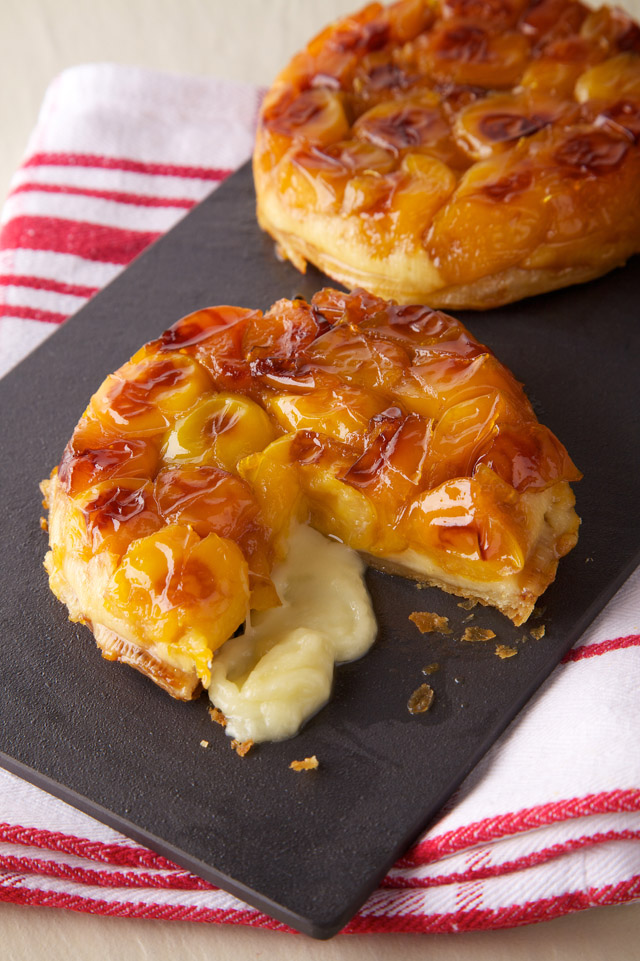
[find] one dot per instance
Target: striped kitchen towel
(547, 823)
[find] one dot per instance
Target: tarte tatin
(389, 428)
(461, 153)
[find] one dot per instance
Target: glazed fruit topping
(425, 94)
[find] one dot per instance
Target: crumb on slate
(468, 604)
(421, 699)
(307, 764)
(503, 651)
(427, 622)
(478, 634)
(216, 715)
(431, 668)
(241, 747)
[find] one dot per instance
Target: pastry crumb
(307, 764)
(421, 699)
(478, 634)
(44, 526)
(241, 747)
(428, 622)
(538, 632)
(204, 743)
(216, 715)
(468, 604)
(503, 651)
(469, 617)
(431, 668)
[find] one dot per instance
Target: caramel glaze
(398, 405)
(542, 90)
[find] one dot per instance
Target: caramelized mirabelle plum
(527, 457)
(498, 13)
(400, 125)
(316, 116)
(410, 18)
(552, 18)
(394, 463)
(461, 435)
(214, 338)
(376, 364)
(91, 457)
(319, 177)
(275, 345)
(426, 184)
(441, 379)
(145, 396)
(465, 53)
(206, 499)
(184, 591)
(337, 410)
(221, 430)
(592, 216)
(613, 28)
(615, 79)
(495, 123)
(117, 512)
(493, 222)
(463, 522)
(209, 499)
(548, 75)
(276, 485)
(337, 508)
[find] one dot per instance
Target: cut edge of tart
(387, 428)
(554, 520)
(463, 153)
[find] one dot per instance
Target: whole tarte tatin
(387, 427)
(459, 153)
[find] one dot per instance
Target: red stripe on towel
(63, 159)
(595, 650)
(514, 822)
(32, 313)
(90, 241)
(46, 283)
(117, 196)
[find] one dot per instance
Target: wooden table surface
(241, 40)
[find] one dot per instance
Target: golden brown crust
(183, 685)
(433, 153)
(402, 285)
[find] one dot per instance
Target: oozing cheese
(270, 679)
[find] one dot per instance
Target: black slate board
(306, 849)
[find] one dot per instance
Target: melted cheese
(270, 679)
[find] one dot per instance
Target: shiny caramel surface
(479, 135)
(388, 427)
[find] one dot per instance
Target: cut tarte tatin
(388, 428)
(461, 153)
